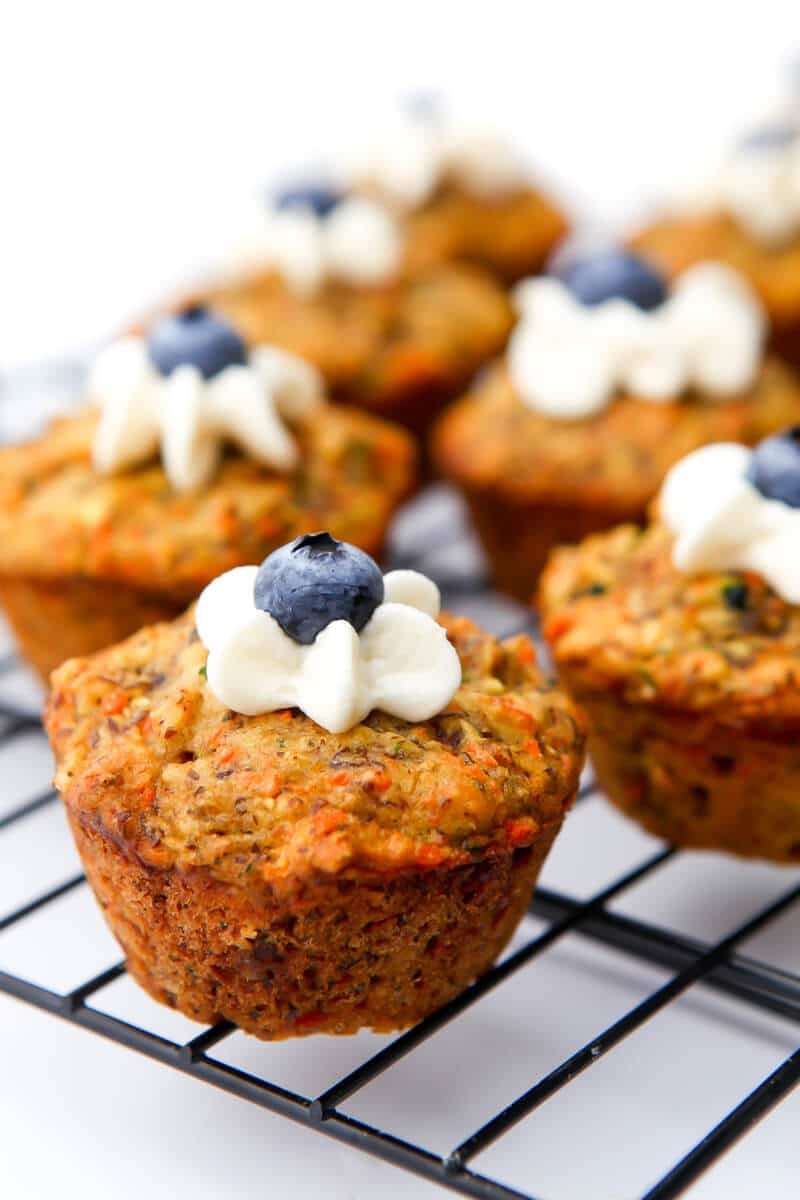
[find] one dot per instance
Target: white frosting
(567, 360)
(400, 662)
(759, 187)
(722, 522)
(358, 242)
(189, 418)
(408, 159)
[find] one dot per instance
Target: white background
(129, 133)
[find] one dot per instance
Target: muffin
(610, 377)
(747, 214)
(301, 875)
(325, 276)
(682, 645)
(461, 191)
(98, 538)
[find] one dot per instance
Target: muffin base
(693, 782)
(518, 537)
(53, 620)
(331, 956)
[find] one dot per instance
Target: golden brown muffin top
(509, 234)
(148, 755)
(58, 517)
(615, 459)
(677, 242)
(376, 343)
(619, 615)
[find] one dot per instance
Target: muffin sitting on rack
(461, 191)
(610, 377)
(310, 806)
(745, 213)
(97, 538)
(324, 274)
(682, 645)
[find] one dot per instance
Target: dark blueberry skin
(320, 198)
(423, 106)
(198, 338)
(774, 468)
(315, 580)
(776, 136)
(613, 275)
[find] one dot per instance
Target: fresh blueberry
(319, 197)
(775, 467)
(776, 136)
(315, 580)
(196, 337)
(423, 106)
(613, 275)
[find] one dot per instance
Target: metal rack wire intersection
(719, 966)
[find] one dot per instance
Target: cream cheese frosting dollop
(759, 187)
(722, 522)
(410, 157)
(358, 242)
(567, 360)
(188, 418)
(401, 662)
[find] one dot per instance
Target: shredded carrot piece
(327, 820)
(521, 830)
(115, 702)
(431, 855)
(558, 624)
(526, 652)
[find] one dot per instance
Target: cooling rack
(431, 535)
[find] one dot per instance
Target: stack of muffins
(309, 801)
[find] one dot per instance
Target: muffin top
(618, 614)
(376, 343)
(676, 242)
(59, 516)
(615, 458)
(511, 234)
(150, 757)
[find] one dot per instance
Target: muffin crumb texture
(126, 550)
(294, 881)
(692, 689)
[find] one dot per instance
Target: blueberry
(196, 337)
(775, 467)
(319, 197)
(315, 580)
(613, 275)
(776, 136)
(423, 106)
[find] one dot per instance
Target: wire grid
(425, 538)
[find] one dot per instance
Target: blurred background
(133, 133)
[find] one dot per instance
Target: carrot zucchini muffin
(325, 275)
(97, 537)
(461, 192)
(610, 377)
(682, 644)
(747, 214)
(308, 805)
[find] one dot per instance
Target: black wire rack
(425, 538)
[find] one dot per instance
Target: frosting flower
(724, 505)
(190, 388)
(354, 240)
(568, 358)
(758, 184)
(408, 159)
(340, 639)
